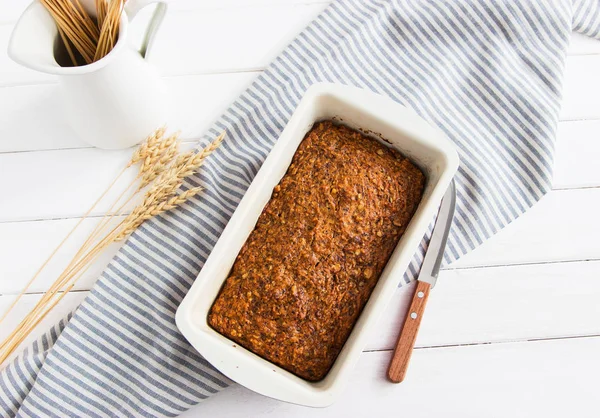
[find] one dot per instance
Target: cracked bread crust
(309, 266)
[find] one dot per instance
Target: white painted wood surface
(512, 329)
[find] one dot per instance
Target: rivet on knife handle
(408, 335)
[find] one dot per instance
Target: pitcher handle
(132, 7)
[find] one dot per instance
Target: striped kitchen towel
(487, 72)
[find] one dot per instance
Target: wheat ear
(156, 155)
(141, 154)
(161, 196)
(152, 158)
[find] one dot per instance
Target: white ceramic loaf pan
(403, 130)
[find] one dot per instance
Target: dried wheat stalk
(109, 29)
(101, 11)
(154, 154)
(162, 171)
(78, 31)
(142, 153)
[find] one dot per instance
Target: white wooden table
(512, 329)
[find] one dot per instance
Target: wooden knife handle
(408, 333)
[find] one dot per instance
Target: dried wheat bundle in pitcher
(86, 38)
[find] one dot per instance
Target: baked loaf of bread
(307, 269)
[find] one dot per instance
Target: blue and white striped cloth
(488, 72)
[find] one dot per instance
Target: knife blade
(425, 282)
(437, 243)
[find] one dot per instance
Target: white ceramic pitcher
(111, 103)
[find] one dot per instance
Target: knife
(425, 282)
